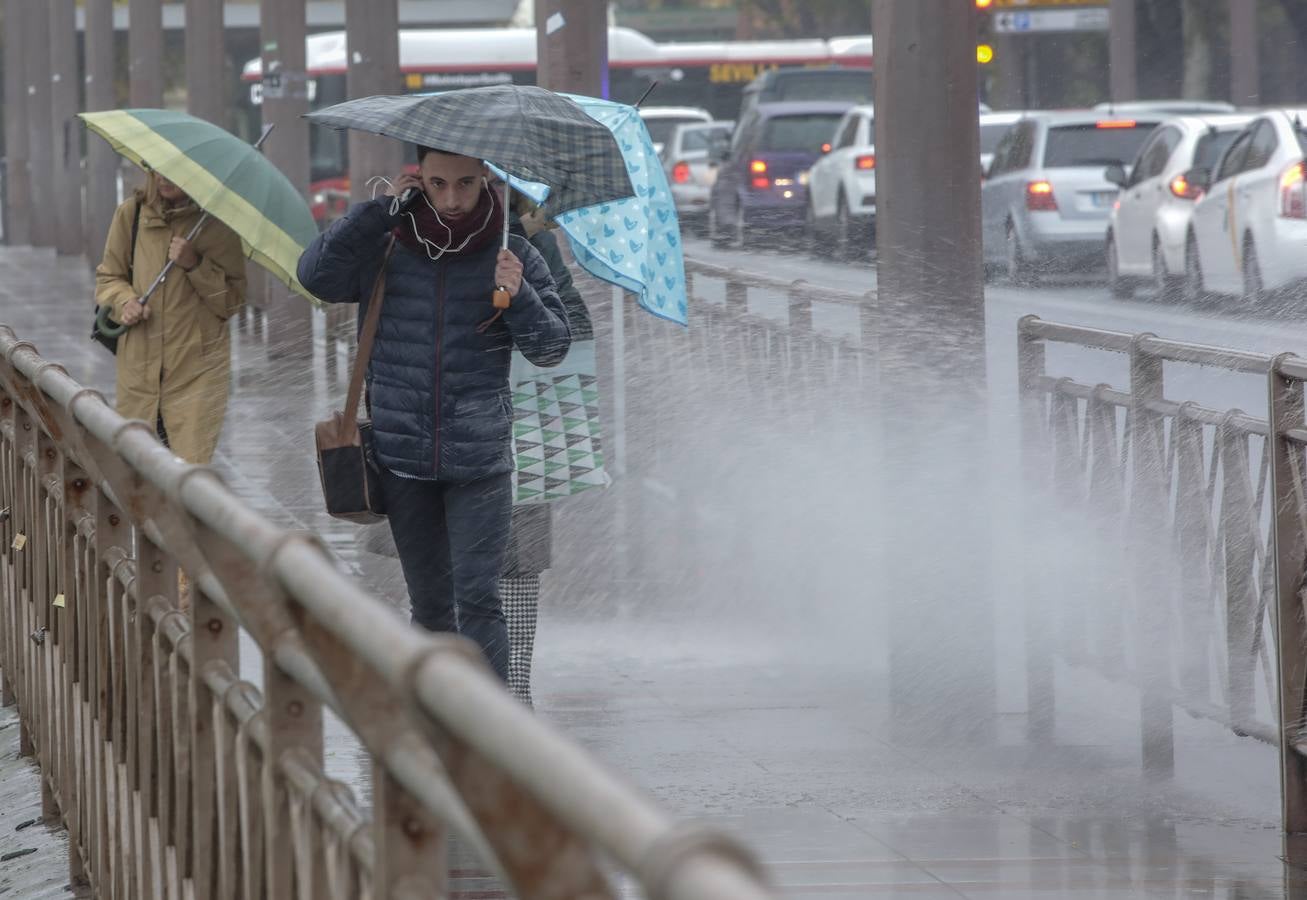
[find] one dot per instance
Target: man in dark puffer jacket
(438, 377)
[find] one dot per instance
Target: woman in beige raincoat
(175, 360)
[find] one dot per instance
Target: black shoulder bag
(111, 343)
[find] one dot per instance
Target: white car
(662, 121)
(1250, 226)
(690, 171)
(1150, 222)
(993, 126)
(1044, 203)
(842, 186)
(1169, 107)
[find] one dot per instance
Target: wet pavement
(749, 693)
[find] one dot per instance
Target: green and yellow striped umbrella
(225, 176)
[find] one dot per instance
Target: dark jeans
(451, 540)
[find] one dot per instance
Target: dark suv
(762, 177)
(794, 84)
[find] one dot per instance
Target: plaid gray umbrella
(529, 132)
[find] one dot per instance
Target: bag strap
(131, 257)
(366, 339)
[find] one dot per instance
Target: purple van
(762, 176)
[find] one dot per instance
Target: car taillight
(865, 163)
(1181, 187)
(681, 173)
(758, 166)
(1116, 123)
(1293, 191)
(1039, 197)
(761, 183)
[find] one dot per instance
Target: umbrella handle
(158, 280)
(107, 326)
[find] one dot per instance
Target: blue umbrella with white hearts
(633, 242)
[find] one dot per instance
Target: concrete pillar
(145, 53)
(572, 46)
(65, 127)
(372, 32)
(18, 183)
(934, 573)
(1121, 51)
(1245, 87)
(206, 78)
(285, 101)
(101, 160)
(36, 22)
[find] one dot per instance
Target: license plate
(1100, 199)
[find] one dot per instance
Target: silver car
(690, 172)
(1045, 202)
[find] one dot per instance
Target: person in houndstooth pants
(530, 545)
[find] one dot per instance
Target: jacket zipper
(440, 334)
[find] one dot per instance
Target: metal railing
(1204, 513)
(176, 778)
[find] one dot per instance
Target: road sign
(1027, 4)
(1043, 20)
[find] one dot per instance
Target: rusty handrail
(227, 779)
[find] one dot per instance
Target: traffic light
(984, 27)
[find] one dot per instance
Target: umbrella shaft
(508, 194)
(168, 268)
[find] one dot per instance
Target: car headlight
(319, 197)
(803, 177)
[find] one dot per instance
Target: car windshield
(661, 127)
(693, 139)
(990, 135)
(1069, 146)
(1211, 146)
(834, 85)
(799, 133)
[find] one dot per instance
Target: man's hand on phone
(183, 254)
(402, 183)
(134, 311)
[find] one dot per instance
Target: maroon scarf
(475, 225)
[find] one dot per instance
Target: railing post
(294, 719)
(1241, 584)
(214, 640)
(410, 842)
(24, 526)
(737, 296)
(1041, 684)
(156, 582)
(41, 547)
(1289, 540)
(77, 488)
(9, 464)
(799, 301)
(1106, 505)
(1148, 502)
(112, 532)
(1195, 545)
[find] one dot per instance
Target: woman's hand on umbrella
(134, 311)
(183, 254)
(508, 272)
